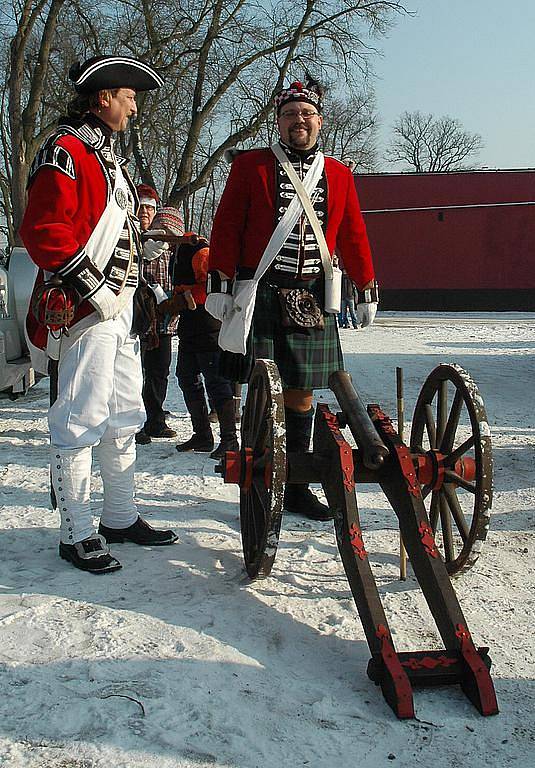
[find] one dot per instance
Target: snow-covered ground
(178, 660)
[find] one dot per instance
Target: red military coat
(69, 189)
(245, 217)
(64, 205)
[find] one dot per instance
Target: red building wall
(452, 240)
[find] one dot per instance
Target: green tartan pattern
(305, 359)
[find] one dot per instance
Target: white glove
(159, 293)
(218, 305)
(366, 313)
(153, 249)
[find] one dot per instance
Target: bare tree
(429, 144)
(223, 60)
(225, 53)
(349, 130)
(35, 85)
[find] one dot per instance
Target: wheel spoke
(430, 426)
(450, 460)
(434, 510)
(246, 522)
(262, 494)
(446, 444)
(259, 419)
(260, 437)
(457, 512)
(447, 534)
(426, 490)
(261, 515)
(453, 477)
(442, 409)
(250, 411)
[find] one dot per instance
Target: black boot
(202, 438)
(298, 498)
(227, 426)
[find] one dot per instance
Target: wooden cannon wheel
(263, 439)
(450, 421)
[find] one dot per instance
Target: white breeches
(117, 460)
(99, 384)
(99, 404)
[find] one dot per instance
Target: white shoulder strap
(289, 219)
(104, 238)
(283, 159)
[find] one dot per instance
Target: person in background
(255, 200)
(156, 350)
(79, 228)
(348, 303)
(148, 205)
(198, 357)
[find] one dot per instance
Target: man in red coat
(79, 228)
(255, 201)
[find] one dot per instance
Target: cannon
(440, 489)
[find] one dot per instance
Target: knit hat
(147, 195)
(169, 218)
(311, 93)
(101, 72)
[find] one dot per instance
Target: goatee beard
(299, 142)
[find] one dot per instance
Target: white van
(16, 284)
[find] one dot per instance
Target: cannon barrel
(374, 451)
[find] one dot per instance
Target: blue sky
(470, 59)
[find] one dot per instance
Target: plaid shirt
(157, 271)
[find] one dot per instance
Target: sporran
(299, 309)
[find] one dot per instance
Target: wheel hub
(430, 468)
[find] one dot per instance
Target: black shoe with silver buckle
(139, 532)
(91, 554)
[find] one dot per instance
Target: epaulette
(60, 158)
(55, 156)
(93, 137)
(232, 153)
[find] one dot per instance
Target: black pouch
(145, 316)
(299, 309)
(236, 367)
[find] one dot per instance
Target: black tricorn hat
(102, 72)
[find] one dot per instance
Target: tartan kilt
(305, 358)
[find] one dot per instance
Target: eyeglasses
(292, 114)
